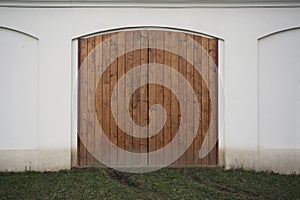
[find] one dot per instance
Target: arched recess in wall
(279, 89)
(86, 34)
(105, 58)
(19, 89)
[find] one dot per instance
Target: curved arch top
(147, 28)
(277, 32)
(19, 31)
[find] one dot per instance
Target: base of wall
(284, 161)
(35, 160)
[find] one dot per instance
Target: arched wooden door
(110, 58)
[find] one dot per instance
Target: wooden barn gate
(94, 97)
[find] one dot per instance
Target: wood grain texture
(152, 91)
(144, 119)
(197, 81)
(167, 43)
(159, 92)
(96, 87)
(121, 96)
(90, 137)
(175, 110)
(113, 78)
(190, 104)
(182, 68)
(98, 111)
(136, 97)
(105, 92)
(213, 108)
(129, 66)
(83, 50)
(205, 94)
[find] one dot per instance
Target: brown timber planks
(197, 81)
(83, 51)
(190, 103)
(105, 93)
(128, 77)
(136, 96)
(174, 101)
(205, 94)
(144, 119)
(182, 44)
(213, 108)
(152, 92)
(113, 77)
(99, 111)
(159, 89)
(121, 96)
(112, 51)
(90, 101)
(167, 43)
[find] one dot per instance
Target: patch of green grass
(167, 183)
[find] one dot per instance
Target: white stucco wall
(244, 70)
(19, 85)
(279, 90)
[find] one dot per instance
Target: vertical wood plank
(91, 101)
(182, 91)
(152, 93)
(99, 111)
(128, 78)
(197, 80)
(159, 57)
(167, 94)
(144, 90)
(136, 98)
(174, 101)
(121, 95)
(190, 103)
(205, 94)
(106, 97)
(83, 51)
(113, 77)
(213, 111)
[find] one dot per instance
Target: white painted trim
(74, 103)
(161, 28)
(275, 32)
(221, 103)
